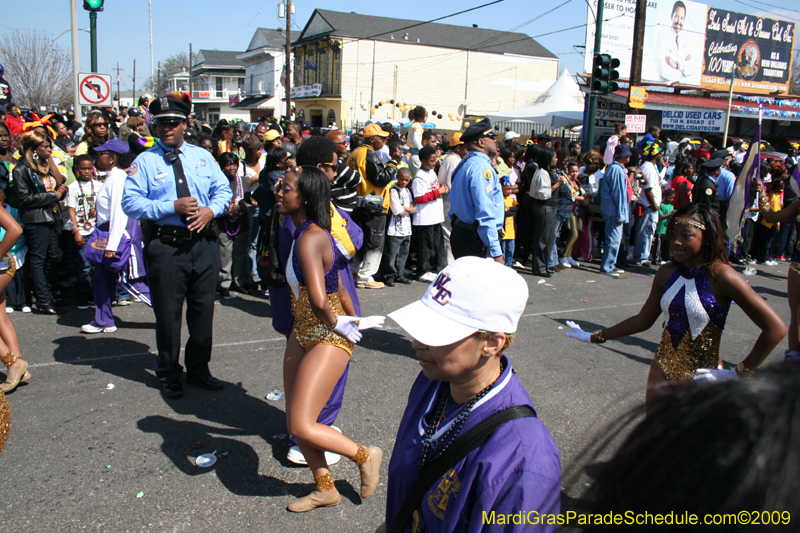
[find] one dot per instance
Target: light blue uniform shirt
(476, 196)
(725, 184)
(150, 188)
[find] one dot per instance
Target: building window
(301, 115)
(219, 87)
(240, 85)
(331, 117)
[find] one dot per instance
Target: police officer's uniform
(476, 199)
(705, 188)
(182, 265)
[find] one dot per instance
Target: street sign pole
(588, 142)
(93, 34)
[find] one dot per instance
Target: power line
(773, 5)
(767, 11)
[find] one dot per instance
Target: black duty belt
(178, 235)
(464, 225)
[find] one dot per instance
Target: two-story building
(346, 63)
(263, 92)
(218, 81)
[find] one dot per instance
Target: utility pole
(150, 13)
(638, 43)
(191, 62)
(134, 82)
(288, 61)
(76, 68)
(119, 94)
(592, 111)
(158, 80)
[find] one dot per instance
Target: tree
(39, 72)
(178, 62)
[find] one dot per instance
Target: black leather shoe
(172, 390)
(404, 280)
(389, 282)
(545, 274)
(48, 309)
(206, 382)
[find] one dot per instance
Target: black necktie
(181, 186)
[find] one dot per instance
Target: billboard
(757, 50)
(691, 44)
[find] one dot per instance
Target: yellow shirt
(775, 204)
(508, 229)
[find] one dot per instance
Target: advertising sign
(608, 113)
(693, 119)
(636, 123)
(692, 44)
(304, 91)
(637, 96)
(758, 51)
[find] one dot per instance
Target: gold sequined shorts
(12, 266)
(795, 267)
(5, 420)
(309, 331)
(682, 363)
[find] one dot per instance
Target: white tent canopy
(559, 106)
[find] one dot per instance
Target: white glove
(346, 328)
(713, 375)
(368, 322)
(578, 333)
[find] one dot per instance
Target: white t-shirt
(650, 173)
(399, 225)
(431, 212)
(446, 168)
(82, 195)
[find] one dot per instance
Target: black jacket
(705, 192)
(36, 205)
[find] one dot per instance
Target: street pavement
(94, 447)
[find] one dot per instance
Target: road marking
(281, 338)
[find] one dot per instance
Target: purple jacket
(517, 470)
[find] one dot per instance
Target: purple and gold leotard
(307, 328)
(694, 325)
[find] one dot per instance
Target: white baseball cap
(471, 294)
(511, 135)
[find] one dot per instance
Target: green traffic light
(93, 5)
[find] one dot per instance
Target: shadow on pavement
(387, 342)
(627, 341)
(234, 413)
(123, 358)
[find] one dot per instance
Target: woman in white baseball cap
(461, 328)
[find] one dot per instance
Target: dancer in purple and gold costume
(695, 291)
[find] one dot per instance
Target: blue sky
(123, 33)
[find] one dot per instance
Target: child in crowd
(234, 228)
(507, 235)
(81, 195)
(398, 235)
(660, 251)
(427, 221)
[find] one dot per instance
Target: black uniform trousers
(177, 272)
(544, 235)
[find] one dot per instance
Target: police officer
(476, 198)
(179, 189)
(705, 188)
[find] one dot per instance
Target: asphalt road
(94, 447)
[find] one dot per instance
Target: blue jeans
(613, 238)
(251, 273)
(560, 220)
(645, 228)
(507, 246)
(82, 269)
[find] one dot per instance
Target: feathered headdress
(184, 96)
(36, 122)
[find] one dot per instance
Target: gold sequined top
(693, 330)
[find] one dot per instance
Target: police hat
(721, 154)
(477, 131)
(543, 137)
(170, 108)
(713, 164)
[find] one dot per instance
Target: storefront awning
(251, 102)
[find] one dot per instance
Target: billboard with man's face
(691, 44)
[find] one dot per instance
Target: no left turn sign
(94, 89)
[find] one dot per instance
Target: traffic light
(605, 74)
(93, 5)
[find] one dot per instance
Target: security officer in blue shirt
(176, 190)
(476, 198)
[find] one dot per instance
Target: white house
(263, 92)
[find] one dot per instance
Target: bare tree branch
(39, 73)
(178, 62)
